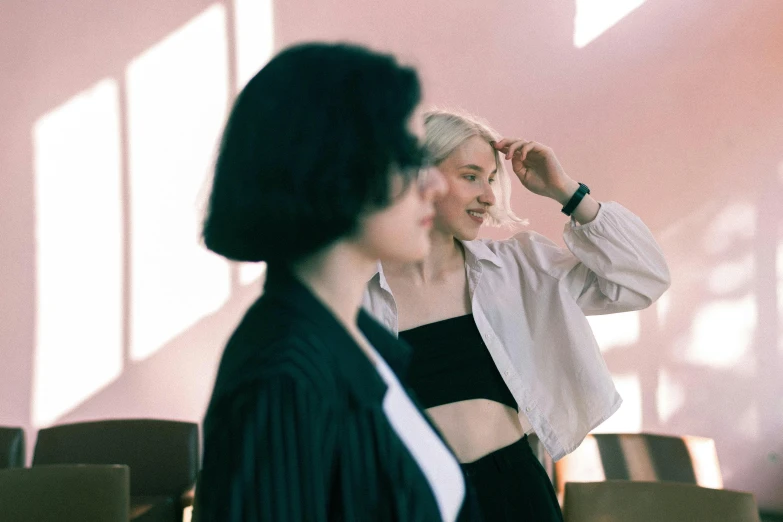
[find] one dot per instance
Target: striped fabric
(296, 431)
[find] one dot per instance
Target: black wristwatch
(580, 193)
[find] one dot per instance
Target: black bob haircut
(310, 145)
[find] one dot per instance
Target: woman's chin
(467, 234)
(422, 252)
(411, 254)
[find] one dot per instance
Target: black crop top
(451, 363)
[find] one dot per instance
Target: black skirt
(511, 484)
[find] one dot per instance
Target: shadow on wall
(708, 357)
(49, 55)
(676, 111)
(120, 120)
(176, 381)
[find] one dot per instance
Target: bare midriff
(477, 427)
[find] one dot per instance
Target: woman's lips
(427, 221)
(476, 218)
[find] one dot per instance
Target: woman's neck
(338, 276)
(446, 255)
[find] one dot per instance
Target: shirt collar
(362, 379)
(475, 252)
(381, 278)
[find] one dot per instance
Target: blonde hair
(444, 131)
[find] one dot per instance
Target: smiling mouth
(476, 215)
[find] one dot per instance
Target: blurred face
(400, 232)
(416, 123)
(470, 173)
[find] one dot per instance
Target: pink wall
(677, 112)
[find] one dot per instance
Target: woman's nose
(487, 197)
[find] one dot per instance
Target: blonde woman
(501, 344)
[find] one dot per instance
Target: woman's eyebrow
(471, 166)
(476, 168)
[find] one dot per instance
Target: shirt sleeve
(267, 457)
(612, 264)
(620, 268)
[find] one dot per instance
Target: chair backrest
(162, 455)
(641, 456)
(622, 500)
(72, 493)
(11, 448)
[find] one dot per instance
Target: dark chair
(641, 457)
(163, 457)
(540, 452)
(65, 493)
(12, 448)
(626, 501)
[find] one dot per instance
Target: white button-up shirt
(529, 299)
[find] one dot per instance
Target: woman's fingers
(504, 144)
(519, 147)
(514, 148)
(526, 148)
(534, 146)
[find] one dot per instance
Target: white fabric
(529, 299)
(433, 457)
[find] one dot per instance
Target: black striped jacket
(295, 429)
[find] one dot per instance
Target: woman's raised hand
(538, 168)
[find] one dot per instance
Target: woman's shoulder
(290, 357)
(527, 251)
(526, 244)
(525, 240)
(284, 388)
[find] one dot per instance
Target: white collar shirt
(529, 300)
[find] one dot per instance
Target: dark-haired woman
(319, 175)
